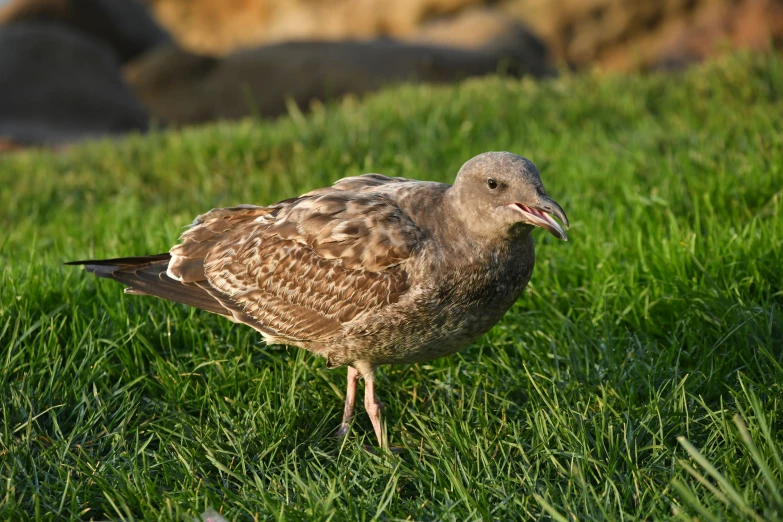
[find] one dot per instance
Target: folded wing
(300, 269)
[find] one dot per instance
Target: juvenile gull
(373, 270)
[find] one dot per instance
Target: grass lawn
(639, 377)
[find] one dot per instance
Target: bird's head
(498, 192)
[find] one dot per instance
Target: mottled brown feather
(300, 269)
(187, 258)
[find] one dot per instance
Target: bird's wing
(299, 270)
(209, 229)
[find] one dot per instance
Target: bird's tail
(146, 275)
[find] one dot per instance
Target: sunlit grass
(638, 378)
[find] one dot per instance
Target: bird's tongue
(540, 219)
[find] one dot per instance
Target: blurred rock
(124, 25)
(221, 26)
(179, 87)
(750, 25)
(485, 29)
(57, 85)
(645, 34)
(612, 34)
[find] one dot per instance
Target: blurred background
(639, 347)
(76, 69)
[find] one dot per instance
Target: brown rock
(751, 25)
(643, 34)
(180, 87)
(613, 34)
(124, 25)
(481, 28)
(221, 26)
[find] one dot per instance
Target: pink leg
(374, 408)
(350, 401)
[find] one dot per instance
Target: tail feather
(146, 275)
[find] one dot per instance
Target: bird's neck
(465, 242)
(466, 226)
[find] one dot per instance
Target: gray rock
(123, 25)
(181, 87)
(57, 85)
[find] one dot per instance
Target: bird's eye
(492, 183)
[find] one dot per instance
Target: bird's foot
(343, 430)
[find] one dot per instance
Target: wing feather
(296, 271)
(318, 262)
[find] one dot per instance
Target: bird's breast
(455, 302)
(480, 292)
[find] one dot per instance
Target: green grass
(640, 377)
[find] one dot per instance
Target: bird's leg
(350, 401)
(374, 408)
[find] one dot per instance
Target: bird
(372, 270)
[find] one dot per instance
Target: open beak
(541, 216)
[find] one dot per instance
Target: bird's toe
(343, 430)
